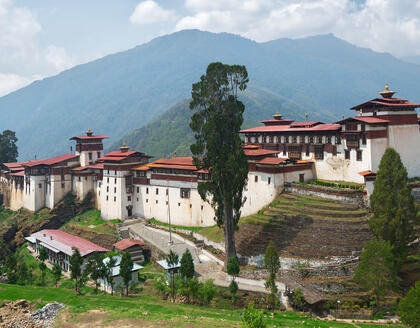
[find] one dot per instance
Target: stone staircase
(305, 226)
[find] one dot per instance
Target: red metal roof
(18, 174)
(127, 243)
(260, 152)
(272, 160)
(112, 158)
(176, 161)
(89, 137)
(121, 153)
(286, 128)
(387, 102)
(366, 119)
(50, 161)
(64, 241)
(92, 166)
(172, 166)
(298, 124)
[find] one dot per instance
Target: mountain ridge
(124, 91)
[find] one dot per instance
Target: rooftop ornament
(387, 93)
(277, 115)
(89, 132)
(124, 148)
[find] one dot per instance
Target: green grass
(213, 233)
(93, 218)
(149, 310)
(164, 224)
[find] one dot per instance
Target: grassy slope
(148, 310)
(92, 218)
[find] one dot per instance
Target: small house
(134, 247)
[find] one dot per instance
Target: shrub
(206, 292)
(409, 309)
(253, 318)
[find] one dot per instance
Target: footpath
(206, 264)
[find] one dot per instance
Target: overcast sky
(40, 38)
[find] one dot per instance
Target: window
(147, 190)
(338, 140)
(347, 154)
(311, 139)
(302, 139)
(138, 189)
(179, 204)
(80, 179)
(364, 139)
(62, 185)
(185, 193)
(115, 199)
(284, 149)
(90, 156)
(166, 202)
(129, 198)
(294, 139)
(319, 140)
(147, 200)
(99, 154)
(334, 151)
(156, 201)
(137, 199)
(359, 155)
(107, 180)
(157, 191)
(85, 178)
(351, 126)
(286, 139)
(256, 178)
(115, 172)
(115, 180)
(115, 190)
(329, 140)
(319, 153)
(107, 198)
(362, 127)
(269, 180)
(202, 207)
(107, 189)
(167, 191)
(190, 205)
(307, 150)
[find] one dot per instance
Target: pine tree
(393, 205)
(409, 308)
(76, 262)
(57, 272)
(95, 267)
(216, 122)
(376, 271)
(187, 265)
(112, 262)
(43, 256)
(233, 269)
(172, 260)
(8, 148)
(126, 266)
(272, 264)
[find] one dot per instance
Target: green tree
(57, 273)
(76, 262)
(393, 205)
(96, 268)
(409, 308)
(216, 122)
(272, 264)
(126, 266)
(109, 276)
(187, 265)
(298, 299)
(172, 260)
(43, 256)
(8, 148)
(233, 269)
(22, 273)
(376, 271)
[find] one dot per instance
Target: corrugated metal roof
(50, 161)
(64, 242)
(272, 160)
(127, 243)
(89, 137)
(287, 128)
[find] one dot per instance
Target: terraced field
(305, 226)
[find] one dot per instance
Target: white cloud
(58, 58)
(11, 82)
(383, 25)
(149, 12)
(22, 57)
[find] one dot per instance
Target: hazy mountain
(412, 59)
(171, 132)
(127, 90)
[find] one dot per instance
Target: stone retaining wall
(347, 196)
(415, 191)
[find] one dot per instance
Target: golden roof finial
(124, 147)
(277, 115)
(89, 132)
(387, 93)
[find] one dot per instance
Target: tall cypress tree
(393, 205)
(216, 122)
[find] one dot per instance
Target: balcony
(295, 155)
(352, 143)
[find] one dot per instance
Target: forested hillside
(125, 91)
